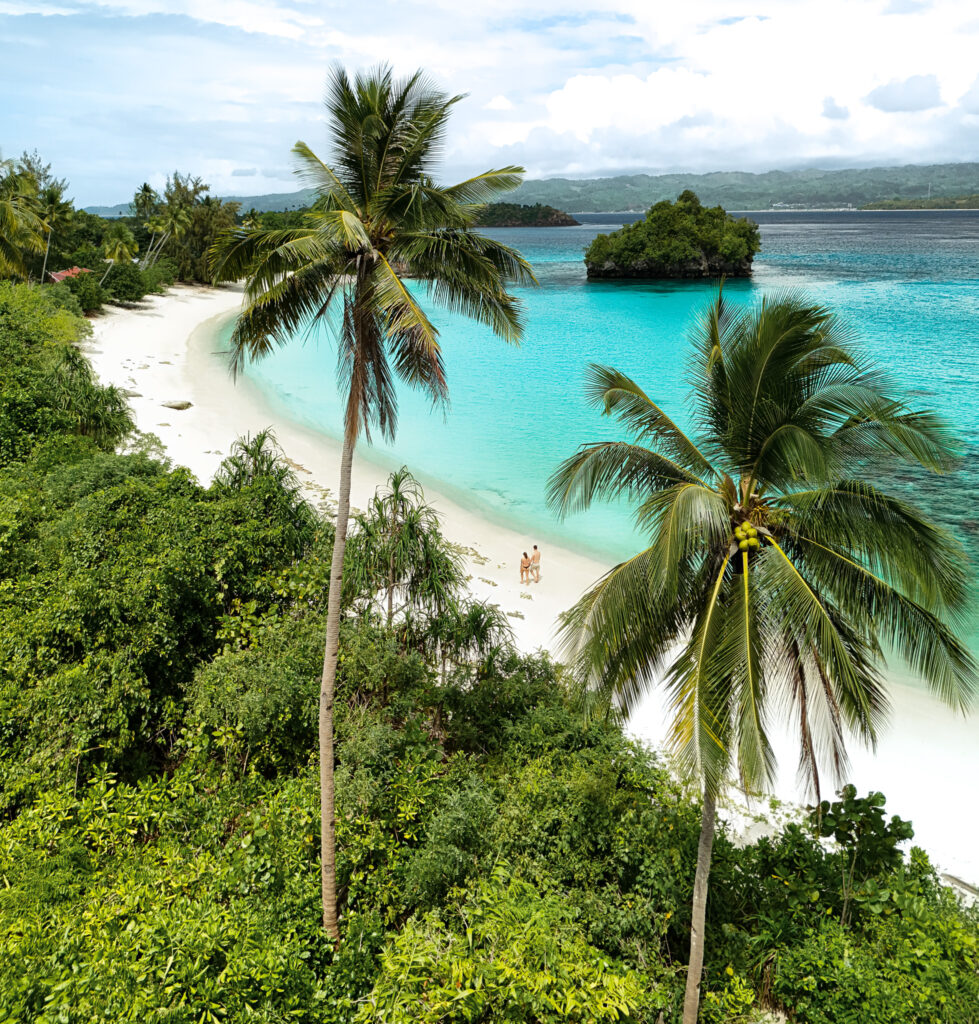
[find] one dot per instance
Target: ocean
(907, 283)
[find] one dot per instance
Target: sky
(117, 92)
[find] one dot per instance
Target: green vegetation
(379, 217)
(676, 240)
(513, 215)
(777, 572)
(937, 203)
(42, 232)
(498, 856)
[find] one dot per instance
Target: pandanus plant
(781, 575)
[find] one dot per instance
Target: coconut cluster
(746, 536)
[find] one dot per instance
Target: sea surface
(907, 283)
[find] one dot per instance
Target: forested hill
(931, 203)
(516, 215)
(734, 190)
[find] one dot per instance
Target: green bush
(87, 290)
(158, 277)
(507, 953)
(125, 283)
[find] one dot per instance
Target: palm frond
(621, 397)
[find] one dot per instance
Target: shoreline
(163, 351)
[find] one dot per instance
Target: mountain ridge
(735, 190)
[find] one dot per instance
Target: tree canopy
(676, 240)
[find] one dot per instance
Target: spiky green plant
(779, 577)
(379, 217)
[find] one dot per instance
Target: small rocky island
(516, 215)
(676, 240)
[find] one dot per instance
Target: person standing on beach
(525, 568)
(535, 564)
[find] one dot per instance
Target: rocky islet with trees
(676, 240)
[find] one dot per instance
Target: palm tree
(173, 222)
(118, 246)
(779, 573)
(20, 226)
(145, 201)
(379, 217)
(55, 212)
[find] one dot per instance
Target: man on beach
(535, 564)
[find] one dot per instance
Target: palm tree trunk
(146, 255)
(691, 998)
(47, 249)
(106, 274)
(328, 863)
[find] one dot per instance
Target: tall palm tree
(118, 246)
(21, 228)
(145, 201)
(379, 217)
(779, 573)
(55, 212)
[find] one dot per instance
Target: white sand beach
(164, 352)
(927, 762)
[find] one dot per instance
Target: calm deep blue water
(907, 282)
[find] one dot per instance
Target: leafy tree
(778, 573)
(379, 218)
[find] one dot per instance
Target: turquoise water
(908, 284)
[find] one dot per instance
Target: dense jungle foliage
(159, 239)
(678, 239)
(500, 857)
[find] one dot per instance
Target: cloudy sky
(115, 92)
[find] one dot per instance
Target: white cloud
(919, 92)
(970, 101)
(131, 88)
(833, 110)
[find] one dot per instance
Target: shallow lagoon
(908, 284)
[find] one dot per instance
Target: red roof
(59, 275)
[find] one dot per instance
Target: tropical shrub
(125, 283)
(87, 290)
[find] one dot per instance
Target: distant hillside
(935, 203)
(734, 190)
(276, 202)
(737, 190)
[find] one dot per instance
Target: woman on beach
(525, 568)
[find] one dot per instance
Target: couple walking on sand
(530, 567)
